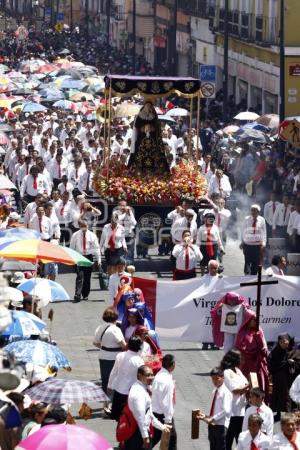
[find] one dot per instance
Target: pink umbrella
(64, 437)
(230, 129)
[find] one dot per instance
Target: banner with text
(182, 308)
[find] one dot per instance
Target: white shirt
(63, 212)
(281, 216)
(46, 226)
(114, 284)
(128, 221)
(265, 413)
(257, 235)
(92, 244)
(179, 226)
(220, 186)
(274, 270)
(74, 174)
(222, 218)
(68, 187)
(119, 237)
(124, 372)
(222, 408)
(234, 379)
(179, 252)
(261, 441)
(174, 215)
(54, 169)
(29, 212)
(280, 442)
(27, 186)
(293, 222)
(111, 339)
(139, 402)
(85, 183)
(214, 233)
(163, 394)
(295, 390)
(269, 210)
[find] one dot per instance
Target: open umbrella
(36, 250)
(269, 120)
(64, 51)
(5, 127)
(230, 129)
(65, 105)
(16, 266)
(38, 353)
(77, 97)
(247, 115)
(46, 290)
(73, 84)
(177, 112)
(12, 294)
(165, 118)
(5, 182)
(251, 135)
(17, 234)
(4, 140)
(33, 107)
(58, 391)
(256, 126)
(24, 324)
(64, 437)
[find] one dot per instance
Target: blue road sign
(47, 11)
(207, 72)
(60, 17)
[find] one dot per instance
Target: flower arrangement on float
(184, 181)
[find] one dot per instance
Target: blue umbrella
(73, 84)
(45, 289)
(16, 234)
(24, 324)
(33, 107)
(38, 353)
(256, 126)
(52, 92)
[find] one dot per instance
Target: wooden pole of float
(198, 125)
(108, 131)
(190, 132)
(105, 125)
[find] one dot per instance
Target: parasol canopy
(247, 115)
(24, 324)
(46, 290)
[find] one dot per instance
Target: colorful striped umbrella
(34, 250)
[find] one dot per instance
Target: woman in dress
(253, 347)
(284, 366)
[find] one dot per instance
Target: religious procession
(142, 241)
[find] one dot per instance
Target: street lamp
(282, 62)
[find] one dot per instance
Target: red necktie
(284, 215)
(186, 258)
(112, 239)
(40, 225)
(209, 242)
(258, 410)
(212, 408)
(62, 210)
(254, 225)
(253, 446)
(34, 183)
(84, 241)
(274, 207)
(292, 441)
(59, 171)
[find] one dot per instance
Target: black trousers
(118, 403)
(65, 234)
(83, 280)
(135, 442)
(106, 366)
(234, 430)
(217, 437)
(252, 254)
(157, 434)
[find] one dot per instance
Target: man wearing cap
(85, 242)
(254, 237)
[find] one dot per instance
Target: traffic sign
(60, 17)
(48, 13)
(207, 72)
(59, 27)
(208, 90)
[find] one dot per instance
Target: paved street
(73, 328)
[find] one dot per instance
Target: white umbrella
(5, 183)
(246, 115)
(177, 112)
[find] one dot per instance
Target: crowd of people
(52, 156)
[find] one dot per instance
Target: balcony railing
(198, 8)
(249, 27)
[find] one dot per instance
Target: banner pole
(109, 124)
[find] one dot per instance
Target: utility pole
(225, 65)
(282, 62)
(87, 17)
(133, 36)
(107, 23)
(172, 44)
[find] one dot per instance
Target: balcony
(248, 27)
(197, 8)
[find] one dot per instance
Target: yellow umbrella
(77, 97)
